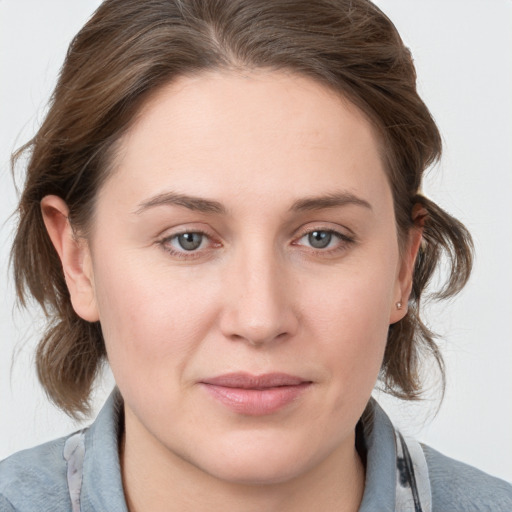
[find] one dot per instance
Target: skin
(256, 296)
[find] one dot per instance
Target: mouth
(256, 395)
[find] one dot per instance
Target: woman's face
(244, 266)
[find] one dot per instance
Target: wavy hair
(129, 49)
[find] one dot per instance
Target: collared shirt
(82, 472)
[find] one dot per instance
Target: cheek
(348, 320)
(152, 321)
(354, 299)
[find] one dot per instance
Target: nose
(258, 304)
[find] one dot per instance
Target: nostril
(261, 314)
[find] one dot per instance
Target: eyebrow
(197, 204)
(329, 201)
(202, 205)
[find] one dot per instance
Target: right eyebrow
(194, 203)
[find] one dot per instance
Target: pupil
(190, 241)
(320, 239)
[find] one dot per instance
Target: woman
(227, 197)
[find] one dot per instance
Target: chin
(253, 461)
(256, 472)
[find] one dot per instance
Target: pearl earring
(399, 305)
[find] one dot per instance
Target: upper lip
(242, 380)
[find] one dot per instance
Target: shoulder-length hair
(131, 48)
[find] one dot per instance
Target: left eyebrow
(329, 201)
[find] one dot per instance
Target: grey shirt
(45, 478)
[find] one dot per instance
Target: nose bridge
(259, 308)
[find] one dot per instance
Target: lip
(256, 395)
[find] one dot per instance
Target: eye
(324, 241)
(189, 241)
(319, 239)
(188, 244)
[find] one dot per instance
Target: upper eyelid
(342, 239)
(165, 243)
(184, 232)
(168, 238)
(343, 232)
(176, 231)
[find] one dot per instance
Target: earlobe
(74, 255)
(406, 274)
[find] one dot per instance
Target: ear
(74, 254)
(406, 271)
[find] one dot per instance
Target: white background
(463, 54)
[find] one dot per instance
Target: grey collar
(397, 477)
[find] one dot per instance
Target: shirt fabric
(81, 473)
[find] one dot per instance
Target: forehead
(225, 132)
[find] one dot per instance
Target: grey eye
(190, 241)
(319, 239)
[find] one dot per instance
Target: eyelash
(344, 242)
(184, 254)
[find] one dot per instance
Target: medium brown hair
(129, 49)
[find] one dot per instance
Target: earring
(399, 305)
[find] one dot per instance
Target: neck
(158, 480)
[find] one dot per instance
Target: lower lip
(256, 402)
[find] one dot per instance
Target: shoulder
(84, 464)
(458, 486)
(35, 478)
